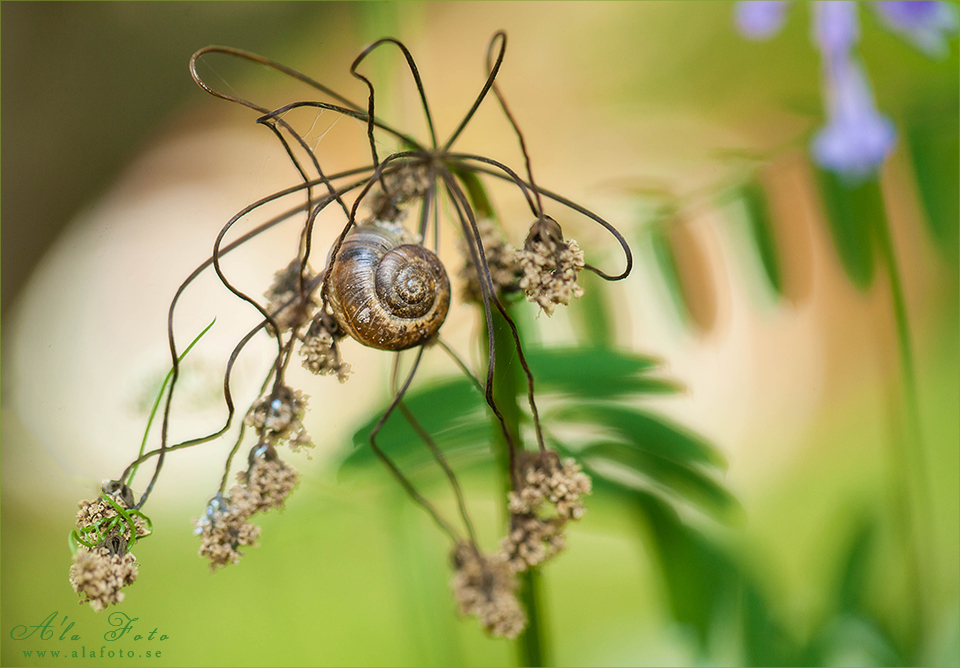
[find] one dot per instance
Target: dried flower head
(284, 300)
(550, 265)
(94, 512)
(531, 541)
(320, 348)
(266, 485)
(99, 574)
(411, 181)
(223, 530)
(546, 479)
(501, 261)
(485, 587)
(536, 532)
(280, 418)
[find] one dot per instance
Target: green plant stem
(508, 384)
(909, 456)
(533, 643)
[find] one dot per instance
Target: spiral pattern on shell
(387, 294)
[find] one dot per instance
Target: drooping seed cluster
(403, 186)
(551, 495)
(223, 530)
(98, 575)
(280, 417)
(320, 348)
(226, 527)
(531, 541)
(94, 512)
(550, 272)
(501, 261)
(265, 486)
(284, 302)
(486, 587)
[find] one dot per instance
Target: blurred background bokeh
(761, 298)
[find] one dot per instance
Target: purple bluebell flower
(836, 28)
(760, 19)
(857, 137)
(924, 23)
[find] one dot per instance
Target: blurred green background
(657, 115)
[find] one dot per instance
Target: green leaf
(852, 210)
(761, 232)
(645, 432)
(934, 147)
(689, 482)
(666, 261)
(699, 577)
(591, 314)
(709, 589)
(596, 372)
(852, 588)
(452, 412)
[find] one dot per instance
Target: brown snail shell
(387, 294)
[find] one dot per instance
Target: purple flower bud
(761, 19)
(924, 23)
(835, 28)
(857, 138)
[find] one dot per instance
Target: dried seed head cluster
(93, 512)
(265, 486)
(223, 530)
(531, 540)
(310, 310)
(320, 348)
(102, 564)
(486, 587)
(279, 418)
(501, 261)
(284, 302)
(403, 185)
(98, 575)
(550, 265)
(225, 526)
(547, 479)
(536, 533)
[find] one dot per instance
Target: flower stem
(532, 644)
(909, 456)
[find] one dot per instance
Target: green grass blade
(156, 404)
(851, 212)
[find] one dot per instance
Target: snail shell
(387, 294)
